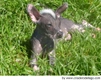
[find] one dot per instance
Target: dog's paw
(68, 37)
(36, 68)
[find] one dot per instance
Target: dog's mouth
(57, 35)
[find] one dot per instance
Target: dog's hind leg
(88, 25)
(81, 27)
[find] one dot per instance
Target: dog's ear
(61, 9)
(33, 13)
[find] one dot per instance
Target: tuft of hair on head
(48, 11)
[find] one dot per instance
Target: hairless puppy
(50, 27)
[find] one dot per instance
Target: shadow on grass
(27, 44)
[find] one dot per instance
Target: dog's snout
(59, 34)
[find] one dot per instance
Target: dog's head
(48, 20)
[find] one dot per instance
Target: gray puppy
(50, 27)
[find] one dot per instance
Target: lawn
(80, 56)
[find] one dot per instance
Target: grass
(80, 56)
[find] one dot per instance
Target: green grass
(80, 56)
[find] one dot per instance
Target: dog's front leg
(33, 62)
(36, 51)
(52, 57)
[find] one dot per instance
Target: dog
(50, 27)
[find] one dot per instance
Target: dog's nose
(59, 34)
